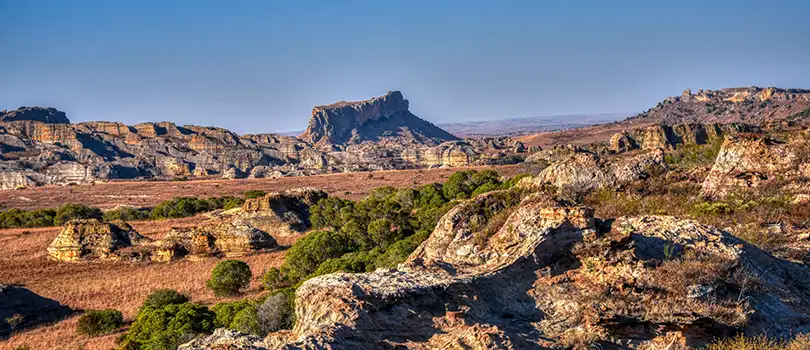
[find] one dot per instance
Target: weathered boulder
(21, 308)
(93, 239)
(585, 171)
(750, 162)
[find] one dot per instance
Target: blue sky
(260, 66)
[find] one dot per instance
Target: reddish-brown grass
(99, 285)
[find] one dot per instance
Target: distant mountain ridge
(528, 125)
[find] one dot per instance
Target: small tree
(229, 277)
(99, 322)
(275, 313)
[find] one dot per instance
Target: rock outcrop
(93, 239)
(674, 136)
(380, 117)
(551, 277)
(21, 309)
(242, 231)
(584, 171)
(748, 162)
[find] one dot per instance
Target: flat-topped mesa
(37, 114)
(384, 116)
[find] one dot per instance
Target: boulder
(93, 239)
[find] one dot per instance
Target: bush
(247, 321)
(162, 297)
(98, 322)
(69, 212)
(229, 277)
(254, 194)
(168, 327)
(226, 312)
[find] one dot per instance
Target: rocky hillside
(750, 105)
(39, 146)
(385, 117)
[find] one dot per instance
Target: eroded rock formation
(93, 239)
(39, 146)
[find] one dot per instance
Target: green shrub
(225, 312)
(229, 277)
(168, 327)
(310, 251)
(98, 322)
(382, 232)
(162, 297)
(399, 251)
(247, 321)
(254, 194)
(69, 212)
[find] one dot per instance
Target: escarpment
(40, 147)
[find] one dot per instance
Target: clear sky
(260, 66)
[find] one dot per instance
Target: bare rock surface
(751, 162)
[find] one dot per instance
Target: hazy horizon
(257, 66)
